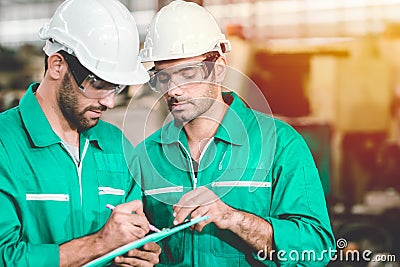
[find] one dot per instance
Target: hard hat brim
(136, 77)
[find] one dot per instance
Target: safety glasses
(94, 87)
(183, 74)
(90, 85)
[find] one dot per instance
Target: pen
(152, 227)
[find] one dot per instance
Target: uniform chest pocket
(248, 190)
(111, 190)
(111, 187)
(245, 189)
(48, 201)
(111, 177)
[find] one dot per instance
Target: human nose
(108, 101)
(174, 90)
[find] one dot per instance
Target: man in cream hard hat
(251, 174)
(60, 165)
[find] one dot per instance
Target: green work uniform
(46, 196)
(254, 163)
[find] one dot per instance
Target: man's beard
(197, 107)
(69, 105)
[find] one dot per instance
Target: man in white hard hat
(254, 176)
(60, 165)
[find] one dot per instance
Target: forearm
(254, 230)
(121, 228)
(82, 250)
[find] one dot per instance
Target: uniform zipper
(105, 190)
(78, 165)
(53, 197)
(205, 149)
(222, 161)
(194, 178)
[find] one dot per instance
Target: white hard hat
(102, 34)
(182, 30)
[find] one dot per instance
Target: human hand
(127, 223)
(148, 255)
(200, 202)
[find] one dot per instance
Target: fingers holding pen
(126, 223)
(135, 206)
(131, 214)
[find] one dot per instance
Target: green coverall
(46, 197)
(254, 163)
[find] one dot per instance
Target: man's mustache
(174, 100)
(93, 108)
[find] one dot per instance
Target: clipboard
(154, 237)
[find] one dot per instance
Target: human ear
(56, 66)
(220, 69)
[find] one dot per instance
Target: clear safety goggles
(183, 74)
(94, 87)
(89, 84)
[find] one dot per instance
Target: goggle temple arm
(79, 72)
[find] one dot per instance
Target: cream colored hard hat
(182, 30)
(102, 34)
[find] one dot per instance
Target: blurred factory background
(330, 68)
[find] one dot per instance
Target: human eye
(97, 83)
(189, 73)
(163, 77)
(100, 85)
